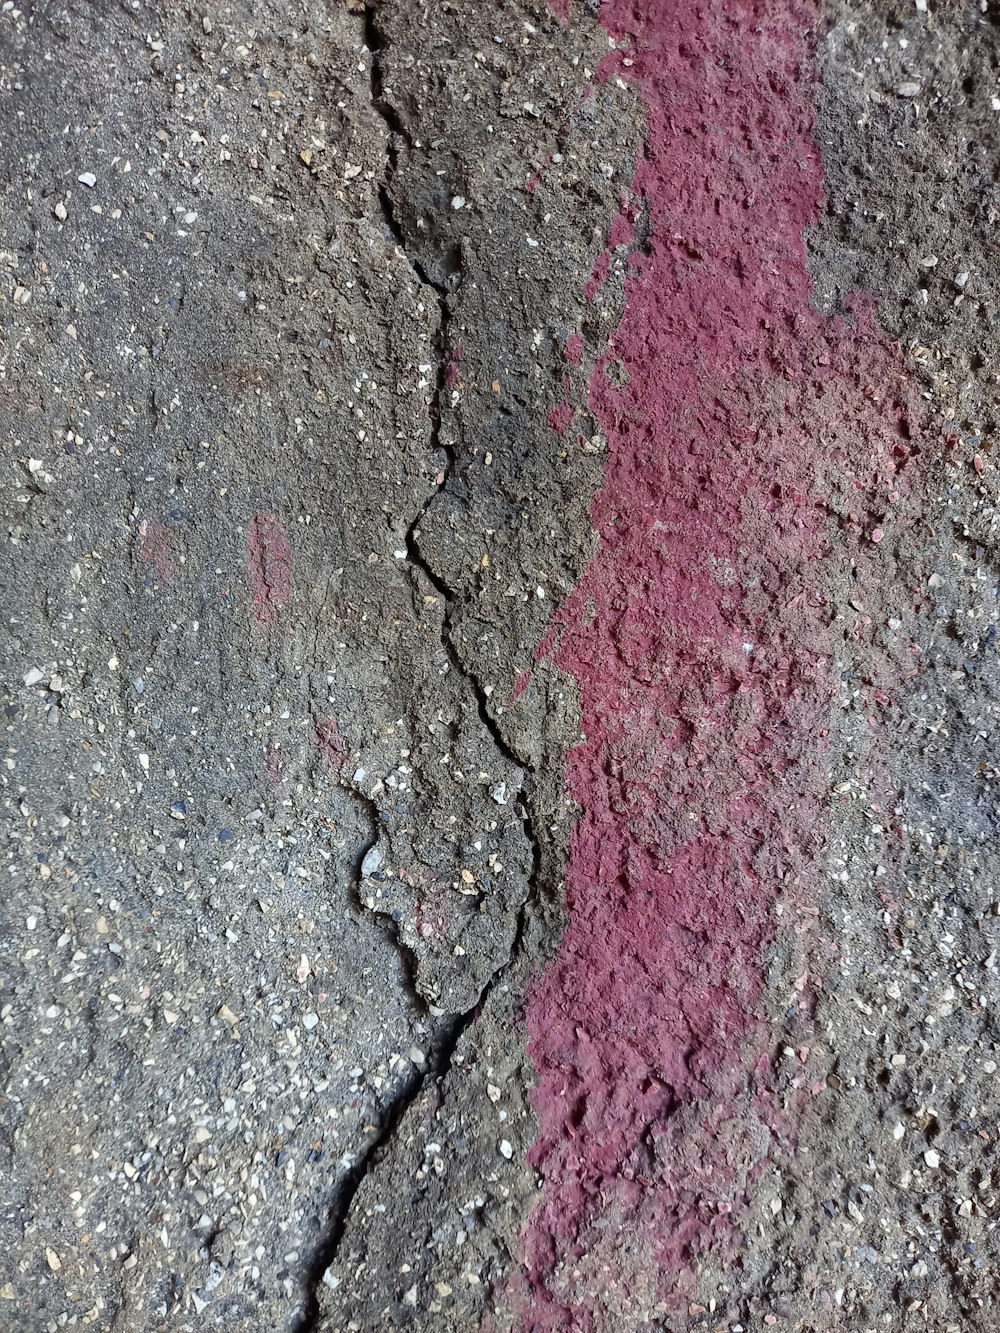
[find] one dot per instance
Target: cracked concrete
(307, 341)
(268, 827)
(504, 551)
(239, 722)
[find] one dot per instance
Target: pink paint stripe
(270, 560)
(701, 641)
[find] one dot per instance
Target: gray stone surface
(286, 300)
(268, 835)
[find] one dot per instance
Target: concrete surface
(500, 666)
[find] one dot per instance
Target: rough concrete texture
(500, 666)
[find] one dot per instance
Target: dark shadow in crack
(450, 1030)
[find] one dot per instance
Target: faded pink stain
(331, 743)
(574, 349)
(454, 365)
(155, 549)
(560, 417)
(542, 652)
(270, 561)
(520, 685)
(752, 455)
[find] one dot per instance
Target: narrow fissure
(449, 1032)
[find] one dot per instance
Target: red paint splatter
(154, 549)
(452, 368)
(560, 417)
(543, 651)
(269, 566)
(520, 685)
(331, 744)
(547, 644)
(621, 231)
(701, 639)
(599, 276)
(563, 413)
(574, 349)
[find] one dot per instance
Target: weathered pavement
(500, 666)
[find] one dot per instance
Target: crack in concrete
(386, 923)
(392, 1114)
(448, 1033)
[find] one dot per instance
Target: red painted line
(701, 640)
(270, 560)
